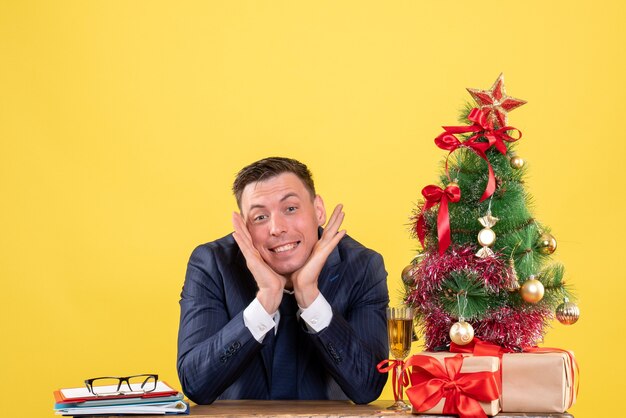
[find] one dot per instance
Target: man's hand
(270, 283)
(305, 279)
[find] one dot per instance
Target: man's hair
(271, 167)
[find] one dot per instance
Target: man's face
(282, 219)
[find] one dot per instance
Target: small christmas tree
(484, 268)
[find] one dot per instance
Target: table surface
(328, 409)
(331, 409)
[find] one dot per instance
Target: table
(329, 409)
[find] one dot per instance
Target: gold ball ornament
(532, 290)
(516, 162)
(408, 272)
(486, 237)
(567, 312)
(546, 244)
(461, 333)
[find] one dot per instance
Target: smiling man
(282, 308)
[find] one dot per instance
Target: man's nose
(278, 225)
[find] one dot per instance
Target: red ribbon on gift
(481, 127)
(479, 347)
(394, 366)
(433, 195)
(430, 382)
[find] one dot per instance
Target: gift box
(541, 381)
(449, 383)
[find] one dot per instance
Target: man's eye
(292, 209)
(260, 218)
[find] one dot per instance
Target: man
(282, 309)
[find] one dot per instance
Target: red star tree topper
(495, 102)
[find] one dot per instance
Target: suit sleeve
(213, 349)
(353, 345)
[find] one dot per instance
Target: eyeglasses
(139, 383)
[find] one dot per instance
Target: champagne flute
(400, 332)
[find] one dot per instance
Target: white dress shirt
(316, 317)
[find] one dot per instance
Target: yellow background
(122, 124)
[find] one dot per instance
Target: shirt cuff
(318, 315)
(257, 320)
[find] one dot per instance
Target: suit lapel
(330, 277)
(242, 289)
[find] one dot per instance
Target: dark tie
(284, 366)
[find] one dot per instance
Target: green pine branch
(465, 286)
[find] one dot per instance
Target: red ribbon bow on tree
(433, 195)
(481, 127)
(395, 366)
(430, 382)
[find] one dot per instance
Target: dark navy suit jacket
(218, 358)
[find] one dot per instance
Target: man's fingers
(240, 226)
(338, 236)
(332, 235)
(242, 236)
(244, 246)
(329, 244)
(335, 221)
(334, 226)
(337, 212)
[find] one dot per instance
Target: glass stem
(399, 375)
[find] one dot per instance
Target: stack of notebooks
(164, 400)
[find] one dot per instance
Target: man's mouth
(285, 247)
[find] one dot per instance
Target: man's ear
(320, 210)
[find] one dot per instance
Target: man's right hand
(270, 283)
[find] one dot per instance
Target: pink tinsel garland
(505, 326)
